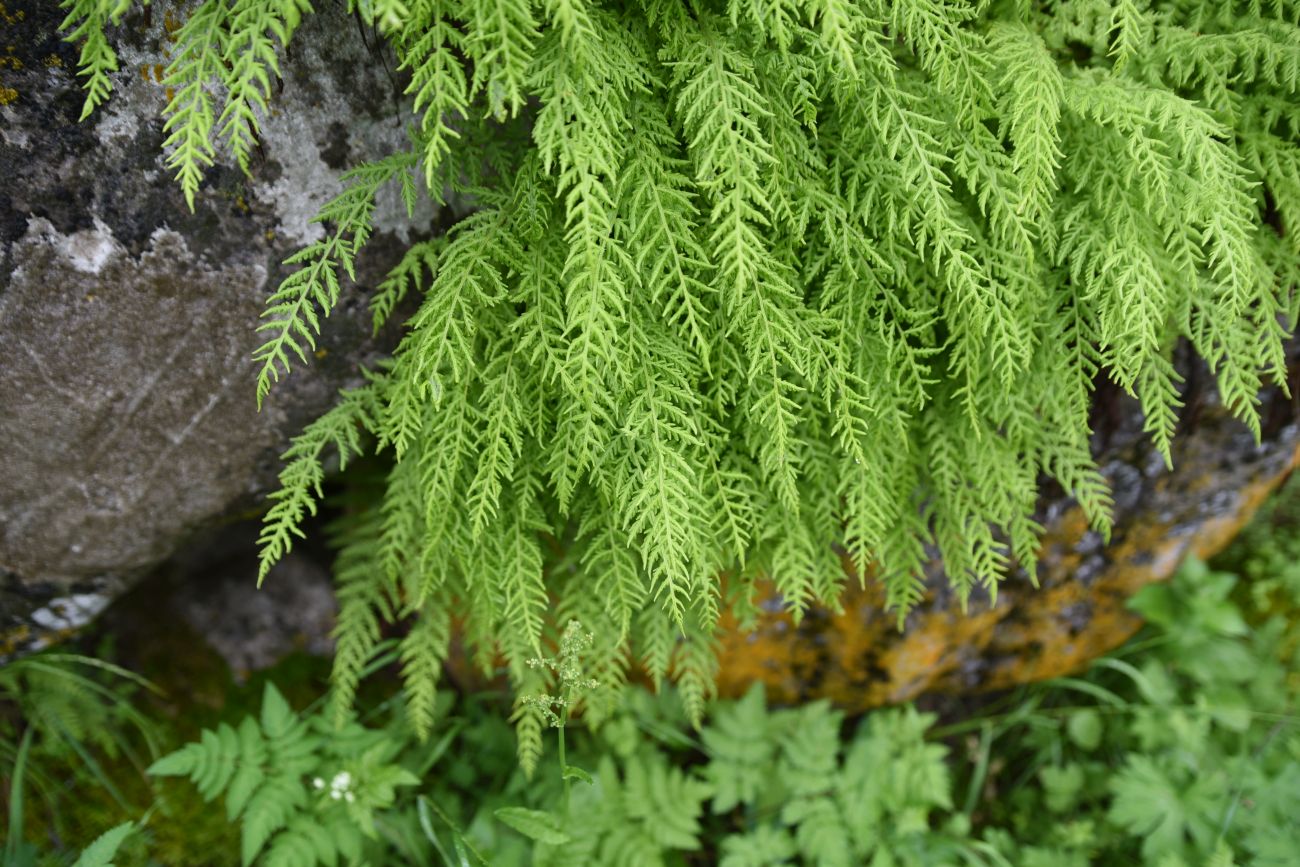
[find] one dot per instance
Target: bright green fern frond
(518, 575)
(949, 52)
(695, 666)
(662, 222)
(1131, 22)
(439, 86)
(502, 36)
(422, 653)
(192, 75)
(439, 348)
(529, 720)
(501, 420)
(611, 570)
(293, 312)
(300, 481)
(251, 57)
(1030, 100)
(85, 22)
(418, 264)
(365, 605)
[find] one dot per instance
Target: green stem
(564, 776)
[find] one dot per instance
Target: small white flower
(336, 794)
(318, 783)
(350, 797)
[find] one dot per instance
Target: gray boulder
(127, 414)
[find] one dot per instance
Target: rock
(215, 592)
(858, 658)
(127, 414)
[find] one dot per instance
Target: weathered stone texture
(127, 417)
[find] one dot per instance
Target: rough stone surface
(253, 628)
(127, 418)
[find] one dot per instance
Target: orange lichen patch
(13, 640)
(1215, 534)
(766, 653)
(171, 24)
(1147, 553)
(936, 649)
(858, 659)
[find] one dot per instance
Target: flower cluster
(340, 787)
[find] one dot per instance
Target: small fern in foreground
(1182, 748)
(262, 768)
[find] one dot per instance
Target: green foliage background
(1182, 748)
(749, 278)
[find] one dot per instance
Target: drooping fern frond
(365, 605)
(747, 286)
(295, 309)
(251, 58)
(85, 22)
(423, 650)
(439, 86)
(300, 481)
(190, 115)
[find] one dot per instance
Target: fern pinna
(745, 281)
(260, 768)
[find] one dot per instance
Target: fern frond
(259, 766)
(664, 802)
(529, 721)
(439, 347)
(300, 480)
(1031, 104)
(662, 223)
(439, 86)
(610, 568)
(661, 497)
(293, 311)
(391, 16)
(85, 21)
(695, 666)
(518, 576)
(1131, 22)
(251, 58)
(365, 604)
(422, 653)
(419, 262)
(191, 74)
(950, 53)
(502, 36)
